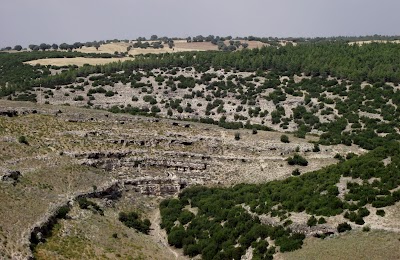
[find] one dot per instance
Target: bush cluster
(132, 219)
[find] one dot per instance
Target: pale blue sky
(54, 21)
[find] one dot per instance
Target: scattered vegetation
(327, 80)
(297, 160)
(223, 228)
(132, 219)
(342, 101)
(84, 203)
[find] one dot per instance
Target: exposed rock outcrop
(11, 176)
(156, 186)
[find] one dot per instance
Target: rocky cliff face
(132, 147)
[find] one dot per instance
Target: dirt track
(160, 236)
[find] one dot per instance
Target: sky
(27, 22)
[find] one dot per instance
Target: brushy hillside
(228, 221)
(51, 156)
(69, 175)
(345, 94)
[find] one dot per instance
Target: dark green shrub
(62, 212)
(87, 204)
(237, 136)
(132, 220)
(78, 98)
(185, 217)
(316, 148)
(380, 212)
(176, 236)
(366, 229)
(343, 227)
(297, 160)
(109, 93)
(290, 243)
(350, 155)
(339, 157)
(284, 139)
(26, 97)
(150, 99)
(296, 172)
(312, 221)
(22, 139)
(155, 109)
(192, 250)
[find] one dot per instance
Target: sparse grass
(67, 247)
(97, 237)
(48, 178)
(352, 245)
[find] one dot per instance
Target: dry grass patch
(352, 245)
(199, 46)
(37, 192)
(139, 51)
(80, 61)
(110, 48)
(48, 179)
(87, 235)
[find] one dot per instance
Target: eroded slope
(69, 152)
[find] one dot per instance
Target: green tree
(17, 47)
(63, 46)
(32, 46)
(176, 236)
(44, 46)
(284, 139)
